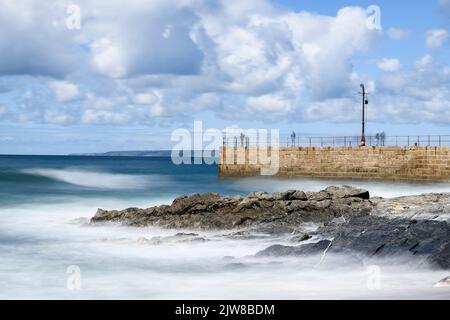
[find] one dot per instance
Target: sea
(49, 250)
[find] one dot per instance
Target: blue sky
(130, 75)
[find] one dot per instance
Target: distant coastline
(151, 153)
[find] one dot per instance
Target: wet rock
(300, 238)
(306, 249)
(380, 237)
(298, 195)
(280, 210)
(177, 238)
(347, 192)
(415, 225)
(425, 206)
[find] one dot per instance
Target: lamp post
(364, 102)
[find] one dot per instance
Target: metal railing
(340, 141)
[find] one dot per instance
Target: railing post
(310, 143)
(439, 141)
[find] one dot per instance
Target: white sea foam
(377, 188)
(39, 242)
(93, 179)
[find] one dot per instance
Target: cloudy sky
(135, 70)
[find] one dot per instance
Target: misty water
(46, 203)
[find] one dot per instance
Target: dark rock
(280, 210)
(415, 225)
(381, 237)
(306, 249)
(298, 195)
(347, 192)
(301, 238)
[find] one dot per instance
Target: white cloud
(436, 38)
(172, 59)
(333, 110)
(145, 98)
(247, 53)
(104, 117)
(397, 33)
(414, 95)
(64, 91)
(424, 62)
(389, 65)
(107, 58)
(145, 37)
(57, 117)
(269, 104)
(34, 39)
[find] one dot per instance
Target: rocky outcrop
(346, 220)
(210, 211)
(425, 206)
(376, 236)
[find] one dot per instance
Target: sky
(106, 75)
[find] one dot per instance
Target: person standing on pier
(242, 136)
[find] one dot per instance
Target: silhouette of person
(383, 138)
(293, 136)
(242, 136)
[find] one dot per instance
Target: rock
(348, 192)
(298, 195)
(177, 238)
(306, 249)
(380, 237)
(260, 196)
(425, 206)
(301, 237)
(274, 229)
(417, 225)
(319, 196)
(259, 209)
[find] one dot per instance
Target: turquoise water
(46, 203)
(30, 179)
(37, 178)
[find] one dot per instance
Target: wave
(92, 179)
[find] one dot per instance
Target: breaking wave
(92, 179)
